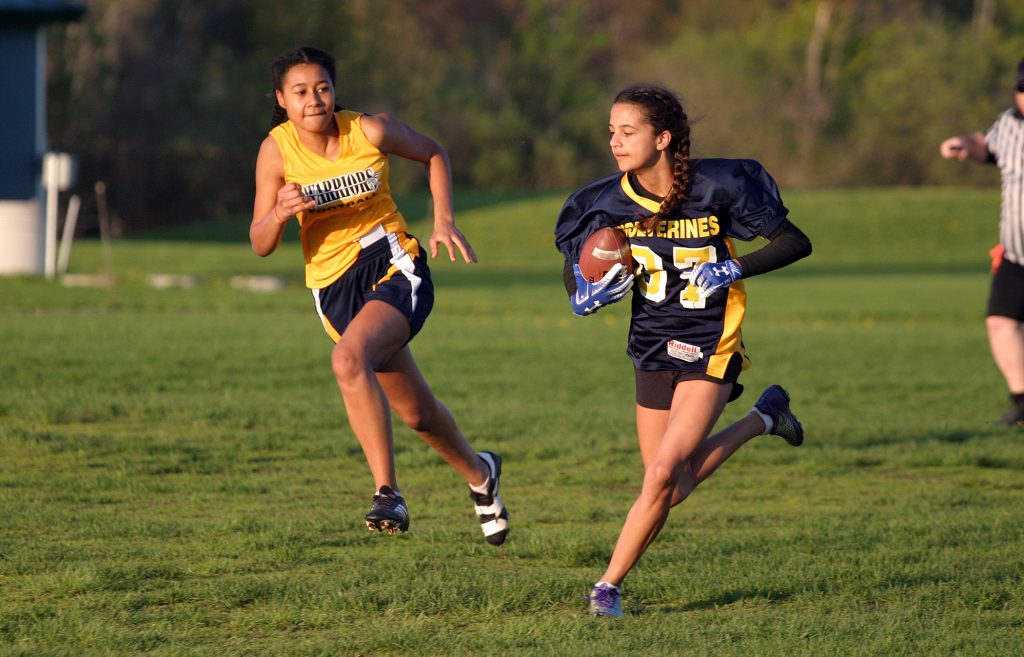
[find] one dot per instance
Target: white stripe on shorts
(319, 310)
(401, 259)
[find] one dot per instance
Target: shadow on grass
(895, 581)
(950, 437)
(725, 598)
(927, 445)
(953, 437)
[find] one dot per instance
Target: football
(604, 249)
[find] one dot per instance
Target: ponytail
(279, 116)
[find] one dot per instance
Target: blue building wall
(19, 130)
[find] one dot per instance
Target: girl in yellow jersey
(328, 168)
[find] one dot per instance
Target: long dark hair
(289, 58)
(663, 111)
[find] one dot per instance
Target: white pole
(50, 166)
(70, 219)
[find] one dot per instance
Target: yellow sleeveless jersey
(352, 197)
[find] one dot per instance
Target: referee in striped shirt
(1003, 145)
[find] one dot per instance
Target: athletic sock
(769, 424)
(482, 488)
(1017, 398)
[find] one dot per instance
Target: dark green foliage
(167, 102)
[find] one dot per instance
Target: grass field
(177, 476)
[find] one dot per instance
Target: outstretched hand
(972, 146)
(954, 147)
(452, 238)
(590, 297)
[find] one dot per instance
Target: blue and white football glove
(591, 296)
(709, 277)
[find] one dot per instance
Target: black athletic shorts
(654, 388)
(1006, 298)
(385, 271)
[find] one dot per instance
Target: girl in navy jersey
(328, 168)
(688, 302)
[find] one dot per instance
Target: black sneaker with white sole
(774, 402)
(389, 513)
(489, 508)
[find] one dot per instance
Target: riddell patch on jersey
(683, 351)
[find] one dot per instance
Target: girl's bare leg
(412, 399)
(370, 340)
(696, 406)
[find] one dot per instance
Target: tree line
(167, 100)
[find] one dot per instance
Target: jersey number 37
(653, 282)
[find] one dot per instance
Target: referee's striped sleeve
(1006, 141)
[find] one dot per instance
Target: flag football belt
(373, 236)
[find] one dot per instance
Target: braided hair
(284, 62)
(663, 111)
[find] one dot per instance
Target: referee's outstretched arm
(971, 146)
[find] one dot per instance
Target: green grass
(177, 476)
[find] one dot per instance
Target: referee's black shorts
(1006, 298)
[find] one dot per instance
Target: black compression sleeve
(568, 277)
(786, 245)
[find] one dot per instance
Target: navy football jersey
(672, 328)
